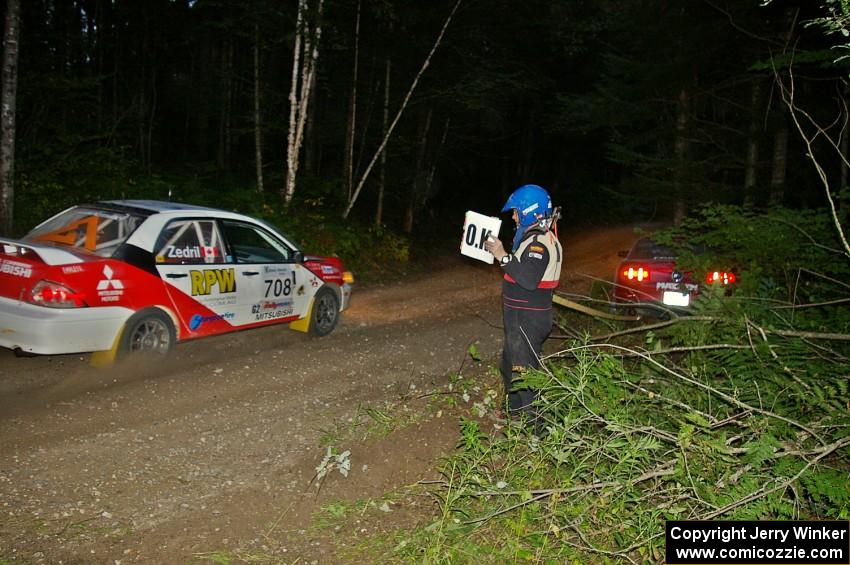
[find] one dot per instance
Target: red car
(649, 274)
(137, 276)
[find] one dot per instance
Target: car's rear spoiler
(37, 252)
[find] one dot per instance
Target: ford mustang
(137, 276)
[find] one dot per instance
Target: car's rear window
(95, 230)
(646, 249)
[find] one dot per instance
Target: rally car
(136, 276)
(649, 274)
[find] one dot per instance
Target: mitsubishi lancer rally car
(649, 274)
(137, 276)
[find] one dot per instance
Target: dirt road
(216, 450)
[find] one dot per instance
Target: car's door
(200, 276)
(273, 286)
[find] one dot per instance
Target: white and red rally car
(138, 275)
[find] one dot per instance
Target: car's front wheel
(325, 313)
(149, 333)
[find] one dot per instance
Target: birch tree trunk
(352, 111)
(401, 109)
(307, 44)
(7, 117)
(258, 128)
(379, 212)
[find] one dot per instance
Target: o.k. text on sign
(477, 228)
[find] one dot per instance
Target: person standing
(532, 270)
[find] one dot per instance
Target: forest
(402, 114)
(343, 121)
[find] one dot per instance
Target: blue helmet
(531, 202)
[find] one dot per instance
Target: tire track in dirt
(218, 448)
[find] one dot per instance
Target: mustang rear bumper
(46, 331)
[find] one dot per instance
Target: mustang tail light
(720, 277)
(55, 295)
(635, 273)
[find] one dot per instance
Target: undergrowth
(738, 410)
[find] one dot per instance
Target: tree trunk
(401, 109)
(419, 175)
(680, 151)
(352, 112)
(844, 146)
(8, 103)
(225, 128)
(258, 129)
(751, 165)
(780, 163)
(379, 212)
(299, 98)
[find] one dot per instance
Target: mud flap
(303, 325)
(105, 359)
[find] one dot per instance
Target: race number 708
(280, 287)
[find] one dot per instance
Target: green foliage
(739, 412)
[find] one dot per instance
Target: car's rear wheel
(149, 333)
(325, 313)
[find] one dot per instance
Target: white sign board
(476, 229)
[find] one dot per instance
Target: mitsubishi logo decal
(109, 281)
(109, 289)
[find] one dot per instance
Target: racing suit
(531, 274)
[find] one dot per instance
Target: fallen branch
(662, 470)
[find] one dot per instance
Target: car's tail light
(55, 295)
(720, 277)
(635, 273)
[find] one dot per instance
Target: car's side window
(187, 242)
(252, 244)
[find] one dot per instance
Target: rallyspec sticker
(71, 269)
(15, 268)
(109, 289)
(196, 320)
(222, 281)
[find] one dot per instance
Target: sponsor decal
(535, 255)
(277, 270)
(537, 248)
(208, 253)
(71, 269)
(222, 281)
(675, 286)
(328, 270)
(108, 288)
(15, 268)
(273, 314)
(531, 208)
(196, 320)
(314, 282)
(271, 305)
